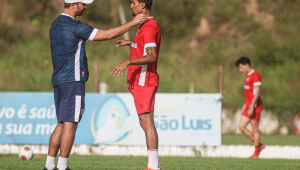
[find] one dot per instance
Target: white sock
(153, 162)
(50, 163)
(62, 163)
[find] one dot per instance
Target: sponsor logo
(110, 122)
(184, 123)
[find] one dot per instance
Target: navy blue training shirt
(68, 38)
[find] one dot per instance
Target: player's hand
(139, 18)
(119, 70)
(250, 111)
(123, 43)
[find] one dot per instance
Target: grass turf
(95, 162)
(293, 140)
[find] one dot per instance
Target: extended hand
(123, 43)
(119, 70)
(139, 18)
(250, 111)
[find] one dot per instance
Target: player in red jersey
(142, 78)
(253, 104)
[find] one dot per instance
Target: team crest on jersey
(247, 79)
(134, 45)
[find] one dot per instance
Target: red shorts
(144, 98)
(256, 112)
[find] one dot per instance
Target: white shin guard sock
(153, 162)
(50, 163)
(62, 163)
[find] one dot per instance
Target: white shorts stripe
(93, 34)
(143, 74)
(77, 62)
(77, 107)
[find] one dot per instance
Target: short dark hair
(68, 5)
(148, 3)
(243, 60)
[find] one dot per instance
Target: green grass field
(12, 162)
(292, 140)
(76, 162)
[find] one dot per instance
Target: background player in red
(142, 75)
(253, 104)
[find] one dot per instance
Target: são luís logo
(109, 124)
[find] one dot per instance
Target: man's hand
(123, 43)
(138, 19)
(250, 111)
(119, 70)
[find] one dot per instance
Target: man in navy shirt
(70, 72)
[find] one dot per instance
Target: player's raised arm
(112, 33)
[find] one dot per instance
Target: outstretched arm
(150, 58)
(112, 33)
(123, 43)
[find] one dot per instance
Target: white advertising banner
(180, 119)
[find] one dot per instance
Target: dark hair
(68, 5)
(148, 3)
(243, 60)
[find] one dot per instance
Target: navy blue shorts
(69, 101)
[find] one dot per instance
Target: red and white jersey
(253, 79)
(148, 35)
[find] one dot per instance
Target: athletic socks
(50, 163)
(257, 148)
(153, 162)
(62, 163)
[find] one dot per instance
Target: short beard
(79, 13)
